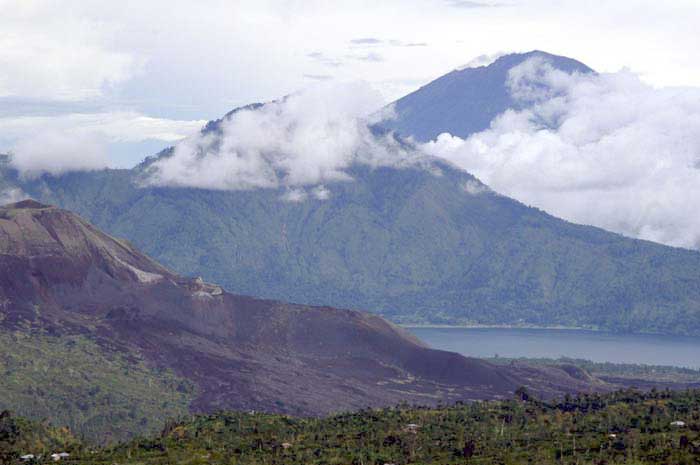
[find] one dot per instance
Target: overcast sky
(137, 75)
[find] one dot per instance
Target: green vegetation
(405, 243)
(629, 371)
(625, 427)
(18, 435)
(99, 392)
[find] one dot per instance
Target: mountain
(465, 101)
(127, 342)
(416, 243)
(413, 246)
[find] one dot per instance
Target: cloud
(471, 5)
(12, 195)
(124, 126)
(372, 41)
(606, 150)
(294, 195)
(77, 141)
(300, 194)
(306, 139)
(371, 57)
(413, 44)
(57, 153)
(318, 77)
(60, 57)
(366, 41)
(321, 192)
(475, 187)
(324, 59)
(482, 60)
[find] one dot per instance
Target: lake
(554, 343)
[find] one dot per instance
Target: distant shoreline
(565, 328)
(478, 326)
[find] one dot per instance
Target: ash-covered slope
(50, 259)
(61, 276)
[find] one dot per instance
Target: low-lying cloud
(606, 150)
(482, 60)
(11, 195)
(300, 194)
(57, 153)
(305, 139)
(79, 141)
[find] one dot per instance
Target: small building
(26, 458)
(412, 428)
(286, 445)
(678, 424)
(60, 456)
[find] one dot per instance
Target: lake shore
(479, 326)
(556, 342)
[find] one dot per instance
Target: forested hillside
(625, 427)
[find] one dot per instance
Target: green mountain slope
(100, 393)
(408, 243)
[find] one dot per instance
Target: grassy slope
(101, 394)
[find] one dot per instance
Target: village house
(59, 456)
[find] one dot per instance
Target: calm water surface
(555, 343)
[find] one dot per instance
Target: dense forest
(630, 427)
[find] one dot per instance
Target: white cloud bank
(48, 51)
(308, 138)
(606, 150)
(12, 195)
(482, 60)
(58, 153)
(78, 142)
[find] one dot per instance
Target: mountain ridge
(64, 280)
(465, 101)
(416, 245)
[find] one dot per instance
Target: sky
(90, 84)
(132, 77)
